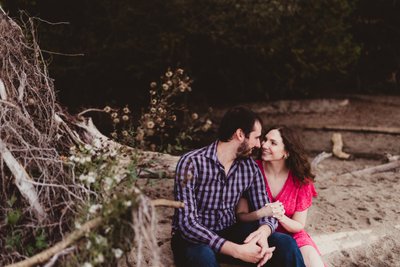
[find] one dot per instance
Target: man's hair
(237, 118)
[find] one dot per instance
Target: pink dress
(294, 197)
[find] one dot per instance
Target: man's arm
(189, 226)
(258, 197)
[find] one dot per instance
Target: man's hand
(260, 237)
(250, 252)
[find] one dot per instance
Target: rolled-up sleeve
(257, 194)
(188, 223)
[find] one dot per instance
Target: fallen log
(361, 129)
(371, 170)
(328, 243)
(151, 164)
(337, 149)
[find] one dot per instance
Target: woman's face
(273, 148)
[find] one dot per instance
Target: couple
(220, 184)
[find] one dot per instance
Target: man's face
(253, 141)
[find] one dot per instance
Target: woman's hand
(275, 209)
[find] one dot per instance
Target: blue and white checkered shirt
(211, 196)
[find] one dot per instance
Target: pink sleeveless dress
(294, 197)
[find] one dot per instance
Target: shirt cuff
(216, 243)
(264, 221)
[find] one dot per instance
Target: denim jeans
(286, 254)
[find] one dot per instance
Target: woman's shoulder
(307, 185)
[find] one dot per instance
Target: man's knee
(201, 255)
(190, 254)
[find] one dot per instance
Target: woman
(289, 183)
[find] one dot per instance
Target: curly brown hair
(297, 161)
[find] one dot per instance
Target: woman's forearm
(254, 215)
(290, 225)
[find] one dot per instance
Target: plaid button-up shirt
(211, 196)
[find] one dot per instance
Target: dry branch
(3, 92)
(337, 149)
(352, 128)
(167, 203)
(50, 252)
(22, 181)
(79, 233)
(319, 158)
(152, 164)
(371, 170)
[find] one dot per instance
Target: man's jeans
(286, 254)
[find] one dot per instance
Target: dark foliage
(235, 50)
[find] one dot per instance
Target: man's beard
(244, 150)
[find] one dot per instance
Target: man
(210, 181)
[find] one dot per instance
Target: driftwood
(361, 129)
(79, 233)
(152, 164)
(337, 149)
(67, 241)
(22, 181)
(319, 158)
(167, 203)
(3, 92)
(328, 243)
(391, 157)
(371, 170)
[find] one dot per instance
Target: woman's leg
(311, 256)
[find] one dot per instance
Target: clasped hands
(275, 209)
(256, 249)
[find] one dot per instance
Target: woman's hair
(297, 161)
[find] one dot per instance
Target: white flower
(88, 244)
(99, 258)
(87, 264)
(82, 177)
(195, 116)
(118, 177)
(90, 179)
(88, 158)
(108, 183)
(95, 208)
(128, 203)
(117, 252)
(78, 225)
(88, 147)
(101, 240)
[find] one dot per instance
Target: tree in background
(234, 49)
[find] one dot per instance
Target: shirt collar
(211, 151)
